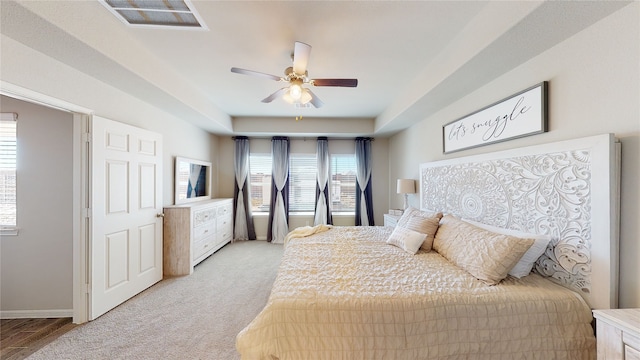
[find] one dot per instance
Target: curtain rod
(304, 138)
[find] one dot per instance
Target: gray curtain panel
(243, 221)
(279, 208)
(323, 201)
(364, 196)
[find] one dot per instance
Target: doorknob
(160, 215)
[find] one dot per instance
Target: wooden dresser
(194, 231)
(618, 334)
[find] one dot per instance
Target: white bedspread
(305, 231)
(345, 293)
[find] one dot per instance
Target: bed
(368, 293)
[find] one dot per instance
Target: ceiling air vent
(156, 13)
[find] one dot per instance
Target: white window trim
(9, 231)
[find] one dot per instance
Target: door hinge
(87, 289)
(86, 213)
(86, 137)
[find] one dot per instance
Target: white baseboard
(36, 314)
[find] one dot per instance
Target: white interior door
(126, 197)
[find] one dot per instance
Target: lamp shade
(406, 186)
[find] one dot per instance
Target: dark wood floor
(20, 338)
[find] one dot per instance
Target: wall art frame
(522, 114)
(192, 180)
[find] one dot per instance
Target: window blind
(303, 171)
(260, 181)
(8, 159)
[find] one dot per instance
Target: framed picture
(193, 180)
(519, 115)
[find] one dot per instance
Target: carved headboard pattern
(531, 190)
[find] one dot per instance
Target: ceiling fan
(297, 76)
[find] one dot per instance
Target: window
(8, 152)
(303, 171)
(343, 183)
(260, 181)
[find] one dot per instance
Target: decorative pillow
(407, 240)
(484, 254)
(525, 264)
(424, 225)
(411, 211)
(405, 216)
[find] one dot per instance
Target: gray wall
(380, 175)
(38, 279)
(36, 266)
(593, 89)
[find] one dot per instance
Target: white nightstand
(391, 220)
(618, 334)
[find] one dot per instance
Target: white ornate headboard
(566, 189)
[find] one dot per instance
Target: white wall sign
(521, 114)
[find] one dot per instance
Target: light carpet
(190, 317)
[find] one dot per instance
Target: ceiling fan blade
(335, 82)
(301, 53)
(273, 96)
(315, 101)
(255, 73)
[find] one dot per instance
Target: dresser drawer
(631, 346)
(631, 353)
(204, 230)
(202, 246)
(226, 209)
(225, 229)
(224, 222)
(203, 216)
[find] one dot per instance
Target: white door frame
(81, 191)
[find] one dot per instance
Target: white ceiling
(411, 57)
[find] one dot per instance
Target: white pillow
(485, 254)
(406, 239)
(525, 264)
(411, 212)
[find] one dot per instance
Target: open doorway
(40, 263)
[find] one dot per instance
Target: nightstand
(618, 334)
(391, 220)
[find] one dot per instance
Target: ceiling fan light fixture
(305, 97)
(287, 96)
(297, 95)
(295, 91)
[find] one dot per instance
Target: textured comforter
(346, 294)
